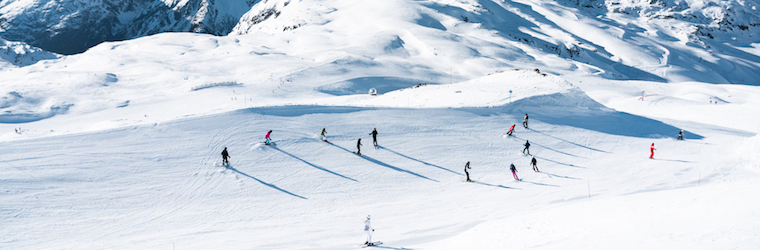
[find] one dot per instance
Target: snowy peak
(21, 54)
(70, 27)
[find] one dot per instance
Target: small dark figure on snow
(467, 166)
(651, 156)
(680, 135)
(225, 155)
(323, 134)
(359, 146)
(533, 163)
(514, 171)
(511, 130)
(527, 147)
(374, 137)
(525, 121)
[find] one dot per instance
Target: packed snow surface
(119, 147)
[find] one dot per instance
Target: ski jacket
(267, 136)
(225, 154)
(533, 161)
(527, 144)
(513, 168)
(367, 226)
(358, 143)
(526, 118)
(374, 134)
(512, 128)
(466, 166)
(323, 132)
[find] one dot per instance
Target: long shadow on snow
(492, 185)
(383, 164)
(534, 143)
(576, 144)
(574, 108)
(270, 185)
(549, 160)
(310, 164)
(394, 248)
(566, 177)
(540, 184)
(429, 164)
(657, 159)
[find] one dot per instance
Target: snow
(119, 147)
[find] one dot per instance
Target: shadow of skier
(370, 159)
(310, 164)
(270, 185)
(429, 164)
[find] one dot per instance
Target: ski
(371, 244)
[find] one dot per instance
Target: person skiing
(374, 137)
(525, 121)
(651, 156)
(511, 130)
(680, 135)
(368, 230)
(225, 155)
(267, 137)
(323, 134)
(527, 147)
(533, 162)
(359, 147)
(467, 166)
(514, 171)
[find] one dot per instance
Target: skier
(368, 230)
(374, 137)
(225, 155)
(467, 166)
(359, 147)
(268, 138)
(533, 162)
(323, 134)
(680, 135)
(527, 146)
(511, 130)
(514, 171)
(525, 121)
(652, 150)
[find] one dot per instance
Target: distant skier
(525, 121)
(359, 147)
(323, 134)
(533, 162)
(514, 171)
(527, 147)
(467, 166)
(368, 230)
(268, 138)
(374, 137)
(225, 155)
(680, 135)
(511, 130)
(651, 156)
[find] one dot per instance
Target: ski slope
(163, 186)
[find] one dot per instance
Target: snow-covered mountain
(118, 147)
(21, 54)
(70, 27)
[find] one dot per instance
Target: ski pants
(525, 124)
(651, 156)
(526, 149)
(369, 235)
(468, 175)
(514, 174)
